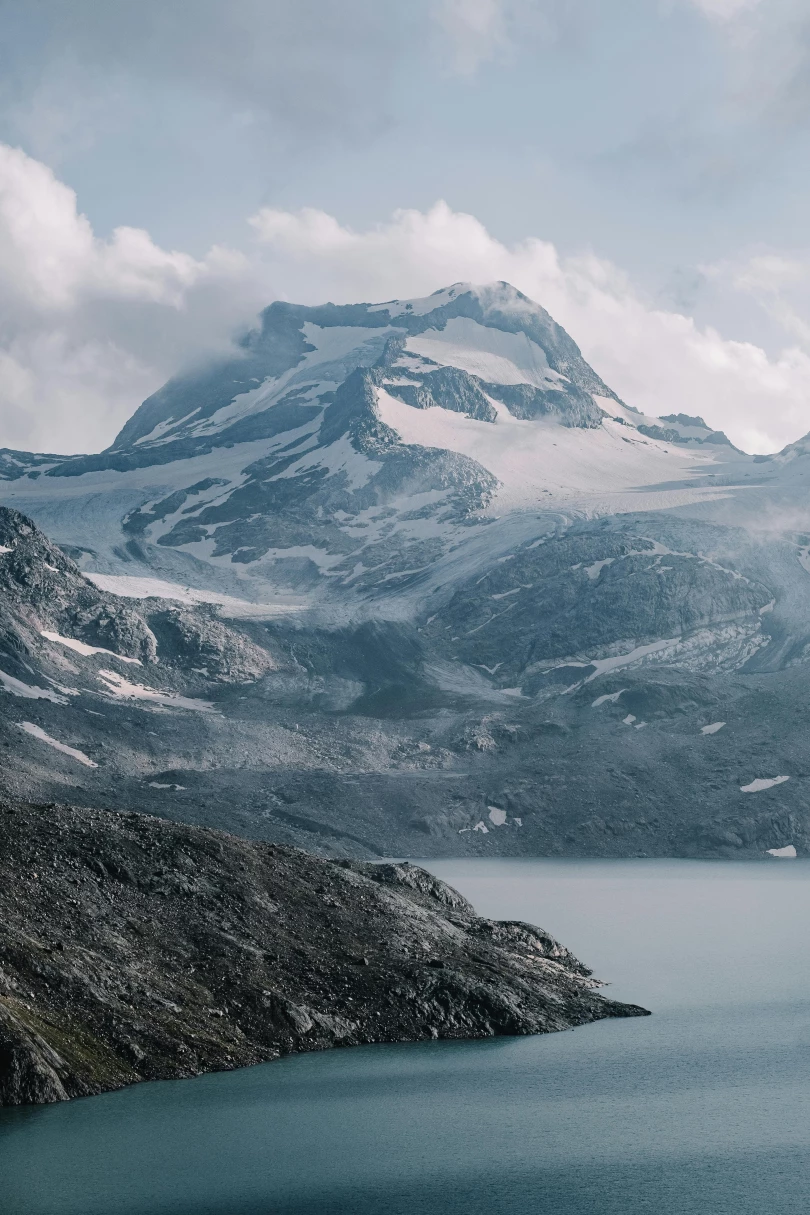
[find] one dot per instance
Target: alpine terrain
(410, 579)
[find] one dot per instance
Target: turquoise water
(702, 1109)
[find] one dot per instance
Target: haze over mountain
(410, 577)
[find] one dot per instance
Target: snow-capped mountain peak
(346, 449)
(300, 353)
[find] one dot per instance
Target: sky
(639, 167)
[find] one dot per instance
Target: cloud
(767, 59)
(90, 326)
(477, 31)
(659, 361)
(50, 259)
(724, 10)
(778, 282)
(302, 66)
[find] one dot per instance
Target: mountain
(141, 950)
(410, 577)
(347, 449)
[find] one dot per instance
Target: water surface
(702, 1109)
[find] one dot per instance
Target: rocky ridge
(135, 949)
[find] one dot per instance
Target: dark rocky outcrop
(132, 949)
(44, 589)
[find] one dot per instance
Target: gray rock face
(44, 588)
(540, 615)
(196, 640)
(564, 716)
(132, 949)
(56, 624)
(29, 1067)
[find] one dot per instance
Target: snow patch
(494, 355)
(338, 457)
(427, 303)
(496, 816)
(341, 345)
(604, 665)
(540, 461)
(608, 698)
(87, 650)
(758, 785)
(30, 692)
(593, 571)
(787, 852)
(713, 728)
(38, 732)
(160, 430)
(130, 586)
(118, 686)
(514, 591)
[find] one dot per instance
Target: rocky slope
(489, 728)
(133, 949)
(409, 578)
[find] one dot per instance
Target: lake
(701, 1109)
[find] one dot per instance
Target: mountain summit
(493, 334)
(344, 449)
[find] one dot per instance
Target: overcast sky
(640, 167)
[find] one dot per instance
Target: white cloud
(657, 360)
(778, 282)
(88, 327)
(50, 259)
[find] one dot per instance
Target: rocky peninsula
(133, 948)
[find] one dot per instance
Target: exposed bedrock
(132, 948)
